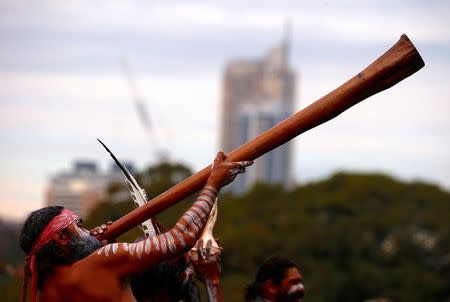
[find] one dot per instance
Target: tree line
(354, 236)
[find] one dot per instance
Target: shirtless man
(67, 263)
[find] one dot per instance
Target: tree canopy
(353, 236)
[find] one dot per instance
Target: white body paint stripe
(155, 243)
(190, 222)
(139, 248)
(131, 248)
(148, 246)
(170, 242)
(115, 248)
(100, 251)
(107, 248)
(204, 205)
(199, 211)
(125, 247)
(194, 216)
(206, 199)
(162, 241)
(184, 230)
(207, 194)
(211, 188)
(180, 238)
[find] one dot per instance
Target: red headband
(58, 223)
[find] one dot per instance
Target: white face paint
(295, 288)
(82, 232)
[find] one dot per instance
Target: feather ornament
(137, 193)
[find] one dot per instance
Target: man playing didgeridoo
(66, 263)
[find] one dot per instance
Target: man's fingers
(208, 247)
(239, 167)
(237, 170)
(245, 163)
(220, 156)
(95, 231)
(199, 244)
(228, 180)
(200, 249)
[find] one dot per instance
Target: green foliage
(353, 236)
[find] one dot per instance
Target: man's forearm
(181, 238)
(214, 291)
(190, 226)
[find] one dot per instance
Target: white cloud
(359, 23)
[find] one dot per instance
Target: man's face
(291, 287)
(82, 243)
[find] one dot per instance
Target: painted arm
(129, 258)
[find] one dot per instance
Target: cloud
(62, 85)
(359, 22)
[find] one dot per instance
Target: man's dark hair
(52, 254)
(35, 224)
(274, 269)
(32, 228)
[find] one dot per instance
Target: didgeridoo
(398, 63)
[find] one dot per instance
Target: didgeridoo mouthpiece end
(404, 39)
(399, 62)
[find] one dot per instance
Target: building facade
(83, 187)
(257, 94)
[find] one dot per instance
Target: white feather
(139, 197)
(138, 194)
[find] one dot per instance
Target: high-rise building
(83, 187)
(257, 94)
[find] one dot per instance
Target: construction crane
(161, 154)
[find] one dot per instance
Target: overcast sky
(61, 84)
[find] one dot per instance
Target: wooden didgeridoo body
(398, 63)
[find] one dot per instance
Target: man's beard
(81, 247)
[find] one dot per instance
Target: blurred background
(362, 203)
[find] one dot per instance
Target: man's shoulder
(104, 258)
(64, 274)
